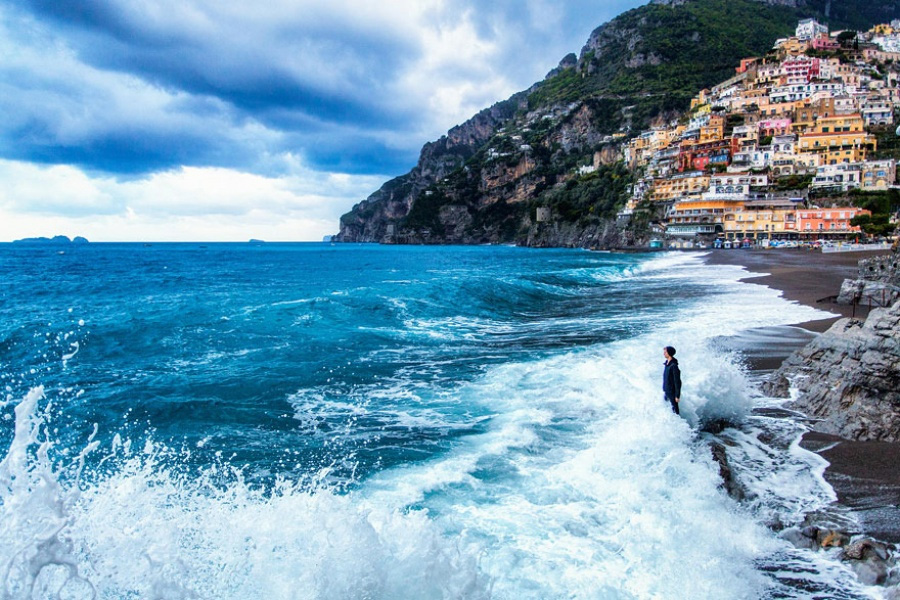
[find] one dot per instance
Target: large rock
(849, 378)
(869, 559)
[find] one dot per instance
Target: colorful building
(764, 219)
(773, 127)
(878, 174)
(815, 223)
(824, 43)
(698, 156)
(679, 186)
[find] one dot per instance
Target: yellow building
(700, 99)
(775, 110)
(713, 131)
(792, 47)
(635, 152)
(839, 123)
(639, 150)
(760, 220)
(679, 186)
(838, 139)
(807, 115)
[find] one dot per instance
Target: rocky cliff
(541, 167)
(849, 378)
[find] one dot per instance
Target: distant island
(256, 241)
(57, 239)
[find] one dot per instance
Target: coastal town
(785, 152)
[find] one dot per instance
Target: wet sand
(805, 276)
(863, 474)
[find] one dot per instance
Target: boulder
(728, 481)
(801, 538)
(869, 559)
(848, 379)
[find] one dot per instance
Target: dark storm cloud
(130, 87)
(335, 70)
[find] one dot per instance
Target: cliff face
(541, 167)
(849, 378)
(483, 183)
(379, 218)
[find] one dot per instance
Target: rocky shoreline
(847, 382)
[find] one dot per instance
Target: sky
(225, 120)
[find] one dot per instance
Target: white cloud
(206, 204)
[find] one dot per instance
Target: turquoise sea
(362, 421)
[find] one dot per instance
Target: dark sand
(865, 475)
(805, 276)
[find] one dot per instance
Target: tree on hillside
(846, 38)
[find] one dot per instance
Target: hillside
(485, 180)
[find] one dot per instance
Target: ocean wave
(490, 430)
(140, 529)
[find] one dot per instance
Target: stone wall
(878, 283)
(881, 268)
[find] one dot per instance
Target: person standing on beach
(672, 379)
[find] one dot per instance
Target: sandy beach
(805, 276)
(863, 474)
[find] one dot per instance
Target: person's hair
(670, 350)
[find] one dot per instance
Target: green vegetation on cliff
(588, 199)
(655, 58)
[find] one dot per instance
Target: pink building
(824, 42)
(774, 127)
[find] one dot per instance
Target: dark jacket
(672, 379)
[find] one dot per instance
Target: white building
(877, 110)
(808, 29)
(845, 176)
(879, 174)
(790, 93)
(888, 43)
(733, 186)
(784, 143)
(783, 164)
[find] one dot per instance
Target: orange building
(689, 218)
(828, 222)
(714, 130)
